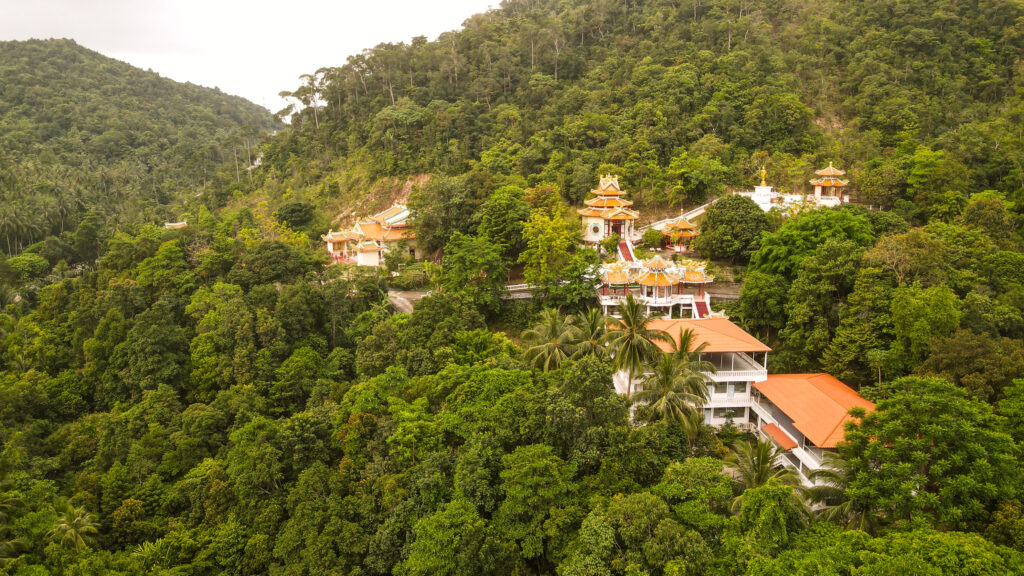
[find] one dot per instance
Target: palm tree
(829, 490)
(688, 348)
(631, 343)
(552, 340)
(593, 326)
(757, 462)
(74, 526)
(10, 505)
(692, 425)
(673, 391)
(754, 463)
(693, 372)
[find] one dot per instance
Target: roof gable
(817, 404)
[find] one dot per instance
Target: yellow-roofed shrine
(829, 183)
(607, 213)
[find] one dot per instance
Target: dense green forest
(219, 400)
(82, 133)
(919, 100)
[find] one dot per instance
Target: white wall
(588, 229)
(368, 259)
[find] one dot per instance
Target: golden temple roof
(657, 263)
(830, 177)
(830, 171)
(389, 225)
(680, 224)
(658, 278)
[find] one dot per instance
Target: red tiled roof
(817, 403)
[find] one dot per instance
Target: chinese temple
(660, 285)
(680, 232)
(607, 213)
(368, 240)
(827, 193)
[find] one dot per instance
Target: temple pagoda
(829, 183)
(681, 231)
(607, 213)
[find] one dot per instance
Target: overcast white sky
(252, 48)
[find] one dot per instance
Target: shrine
(829, 184)
(366, 243)
(607, 213)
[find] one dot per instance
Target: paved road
(404, 300)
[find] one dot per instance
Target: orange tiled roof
(830, 182)
(615, 277)
(779, 436)
(680, 224)
(720, 334)
(383, 215)
(396, 234)
(390, 225)
(696, 277)
(371, 230)
(618, 213)
(608, 202)
(817, 403)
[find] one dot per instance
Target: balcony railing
(673, 300)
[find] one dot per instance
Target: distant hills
(80, 131)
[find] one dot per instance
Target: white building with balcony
(804, 414)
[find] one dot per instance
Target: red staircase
(625, 253)
(702, 309)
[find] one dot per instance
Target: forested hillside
(219, 400)
(919, 100)
(80, 133)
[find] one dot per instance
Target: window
(707, 415)
(721, 387)
(595, 230)
(725, 412)
(740, 387)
